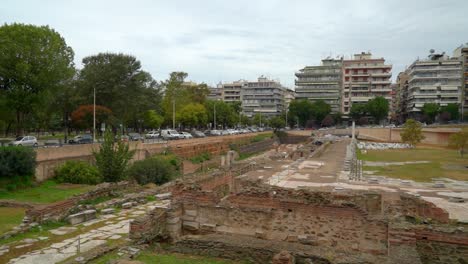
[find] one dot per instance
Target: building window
(346, 78)
(347, 71)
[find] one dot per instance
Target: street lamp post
(173, 113)
(94, 114)
(214, 114)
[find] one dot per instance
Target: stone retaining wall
(50, 158)
(59, 210)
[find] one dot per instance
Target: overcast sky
(229, 40)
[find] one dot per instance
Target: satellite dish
(431, 51)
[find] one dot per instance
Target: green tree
(112, 158)
(277, 122)
(193, 115)
(411, 132)
(319, 110)
(225, 114)
(34, 62)
(300, 110)
(120, 84)
(358, 111)
(378, 108)
(460, 141)
(152, 119)
(452, 109)
(430, 110)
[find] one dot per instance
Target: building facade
(232, 91)
(363, 79)
(436, 79)
(264, 97)
(462, 53)
(321, 83)
(401, 99)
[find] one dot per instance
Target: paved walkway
(108, 228)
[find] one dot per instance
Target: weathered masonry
(241, 219)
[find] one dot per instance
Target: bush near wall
(158, 169)
(77, 172)
(17, 166)
(16, 161)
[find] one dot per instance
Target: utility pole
(94, 114)
(173, 113)
(214, 114)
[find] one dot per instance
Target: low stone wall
(294, 138)
(257, 146)
(50, 158)
(59, 210)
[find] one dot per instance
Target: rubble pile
(382, 146)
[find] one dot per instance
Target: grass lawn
(165, 258)
(10, 217)
(149, 257)
(442, 163)
(47, 192)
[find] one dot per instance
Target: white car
(152, 134)
(186, 134)
(25, 141)
(169, 134)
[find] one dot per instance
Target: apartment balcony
(353, 83)
(381, 74)
(359, 74)
(382, 90)
(361, 98)
(379, 66)
(328, 73)
(439, 77)
(381, 82)
(433, 69)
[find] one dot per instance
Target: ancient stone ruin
(229, 216)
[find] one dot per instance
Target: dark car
(81, 139)
(135, 137)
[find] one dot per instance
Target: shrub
(77, 172)
(158, 169)
(112, 158)
(17, 161)
(200, 158)
(412, 132)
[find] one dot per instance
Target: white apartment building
(436, 79)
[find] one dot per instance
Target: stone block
(188, 218)
(191, 212)
(108, 211)
(81, 217)
(127, 205)
(163, 196)
(260, 234)
(208, 227)
(191, 226)
(76, 218)
(173, 220)
(291, 238)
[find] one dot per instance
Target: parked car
(29, 141)
(169, 134)
(135, 137)
(150, 135)
(198, 134)
(186, 135)
(81, 139)
(214, 132)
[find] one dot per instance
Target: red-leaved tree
(82, 117)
